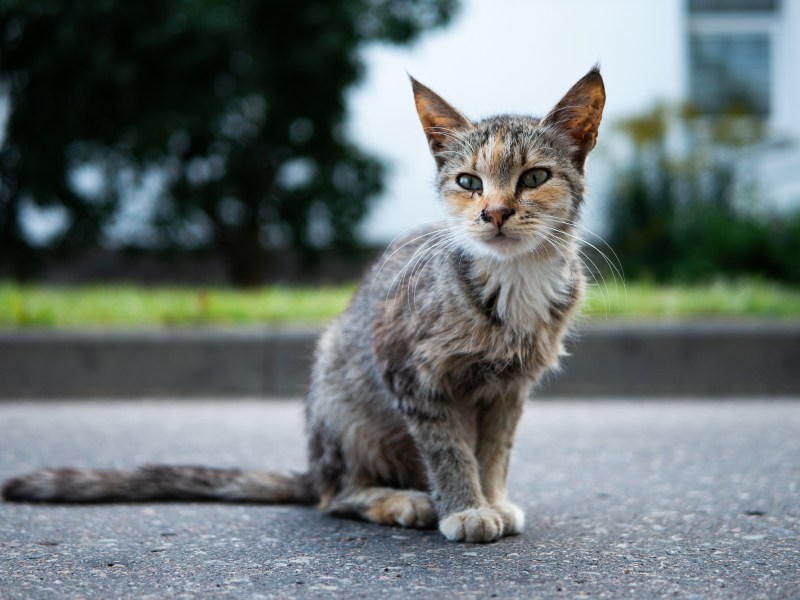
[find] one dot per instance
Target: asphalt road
(644, 499)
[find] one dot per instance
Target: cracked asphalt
(662, 498)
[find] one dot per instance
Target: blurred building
(743, 57)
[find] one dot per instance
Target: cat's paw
(407, 508)
(512, 515)
(477, 525)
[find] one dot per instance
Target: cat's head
(512, 184)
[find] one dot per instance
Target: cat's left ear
(578, 114)
(440, 121)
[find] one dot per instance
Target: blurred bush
(686, 207)
(230, 114)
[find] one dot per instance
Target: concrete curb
(607, 359)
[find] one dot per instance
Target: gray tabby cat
(417, 388)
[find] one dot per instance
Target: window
(730, 72)
(732, 5)
(730, 54)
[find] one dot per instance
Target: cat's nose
(496, 215)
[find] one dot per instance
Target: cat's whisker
(447, 132)
(606, 298)
(412, 296)
(395, 285)
(583, 257)
(422, 260)
(414, 225)
(442, 245)
(614, 270)
(385, 259)
(590, 232)
(448, 244)
(417, 266)
(561, 251)
(422, 249)
(450, 134)
(562, 248)
(565, 228)
(604, 242)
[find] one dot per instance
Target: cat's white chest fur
(527, 287)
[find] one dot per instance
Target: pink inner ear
(438, 117)
(437, 132)
(580, 111)
(584, 126)
(437, 125)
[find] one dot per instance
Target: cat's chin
(502, 247)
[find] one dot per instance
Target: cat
(417, 388)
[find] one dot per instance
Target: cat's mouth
(501, 241)
(501, 238)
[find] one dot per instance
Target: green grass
(723, 299)
(129, 306)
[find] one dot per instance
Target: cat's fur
(417, 388)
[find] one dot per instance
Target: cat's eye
(534, 178)
(469, 182)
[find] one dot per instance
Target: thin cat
(417, 389)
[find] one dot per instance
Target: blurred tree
(694, 213)
(235, 108)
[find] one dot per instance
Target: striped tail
(159, 483)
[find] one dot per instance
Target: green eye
(534, 178)
(469, 182)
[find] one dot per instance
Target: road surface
(642, 499)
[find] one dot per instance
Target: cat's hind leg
(387, 506)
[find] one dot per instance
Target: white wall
(786, 72)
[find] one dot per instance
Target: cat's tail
(160, 483)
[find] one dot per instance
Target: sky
(511, 56)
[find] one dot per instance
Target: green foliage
(692, 216)
(237, 106)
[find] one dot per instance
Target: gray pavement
(641, 499)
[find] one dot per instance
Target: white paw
(513, 517)
(477, 525)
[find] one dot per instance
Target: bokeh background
(249, 142)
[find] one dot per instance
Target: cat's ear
(579, 112)
(440, 121)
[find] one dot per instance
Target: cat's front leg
(464, 513)
(497, 425)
